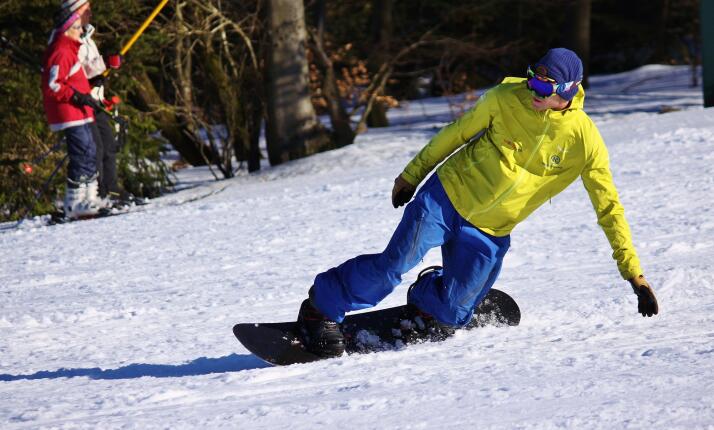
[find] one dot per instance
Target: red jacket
(61, 76)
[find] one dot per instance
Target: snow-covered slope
(125, 322)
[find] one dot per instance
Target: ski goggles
(543, 87)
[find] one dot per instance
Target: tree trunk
(254, 148)
(576, 35)
(661, 49)
(339, 118)
(382, 26)
(707, 15)
(292, 128)
(237, 88)
(183, 62)
(228, 98)
(173, 129)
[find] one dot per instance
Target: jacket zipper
(521, 174)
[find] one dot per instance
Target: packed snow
(125, 322)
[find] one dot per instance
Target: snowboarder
(94, 67)
(68, 108)
(523, 142)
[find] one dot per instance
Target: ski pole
(18, 55)
(140, 31)
(26, 166)
(97, 105)
(39, 192)
(39, 159)
(116, 118)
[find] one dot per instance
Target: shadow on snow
(199, 366)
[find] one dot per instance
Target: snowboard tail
(279, 343)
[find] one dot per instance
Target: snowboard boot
(320, 335)
(417, 325)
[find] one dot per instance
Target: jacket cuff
(410, 178)
(631, 272)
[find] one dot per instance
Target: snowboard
(371, 331)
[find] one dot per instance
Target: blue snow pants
(82, 153)
(471, 263)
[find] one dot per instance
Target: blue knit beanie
(562, 65)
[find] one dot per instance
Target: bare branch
(377, 85)
(210, 8)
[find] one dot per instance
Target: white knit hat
(73, 5)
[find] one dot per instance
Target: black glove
(97, 81)
(646, 300)
(402, 192)
(81, 99)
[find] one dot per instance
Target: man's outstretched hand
(646, 300)
(402, 192)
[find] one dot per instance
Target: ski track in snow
(125, 322)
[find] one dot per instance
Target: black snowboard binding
(320, 335)
(417, 325)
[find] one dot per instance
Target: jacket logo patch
(553, 162)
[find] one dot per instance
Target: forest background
(207, 77)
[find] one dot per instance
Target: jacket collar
(578, 101)
(88, 31)
(61, 39)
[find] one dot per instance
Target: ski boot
(122, 199)
(81, 199)
(320, 335)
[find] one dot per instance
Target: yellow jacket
(521, 158)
